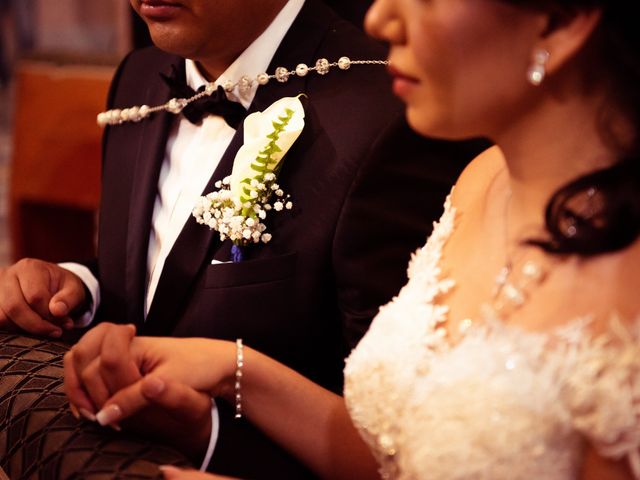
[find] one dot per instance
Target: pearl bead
(302, 69)
(103, 119)
(282, 74)
(532, 270)
(513, 295)
(322, 66)
(124, 115)
(536, 75)
(263, 79)
(134, 114)
(344, 63)
(210, 88)
(144, 111)
(114, 116)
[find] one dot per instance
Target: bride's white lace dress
(502, 403)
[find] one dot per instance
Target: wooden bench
(55, 173)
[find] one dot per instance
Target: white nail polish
(109, 415)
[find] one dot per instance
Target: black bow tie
(215, 104)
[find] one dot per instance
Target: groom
(356, 176)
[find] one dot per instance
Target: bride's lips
(159, 10)
(402, 83)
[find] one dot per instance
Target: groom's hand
(39, 297)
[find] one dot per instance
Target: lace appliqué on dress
(501, 404)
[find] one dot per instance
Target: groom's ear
(566, 33)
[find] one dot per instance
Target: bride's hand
(203, 364)
(172, 374)
(174, 371)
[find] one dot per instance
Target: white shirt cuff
(93, 287)
(213, 439)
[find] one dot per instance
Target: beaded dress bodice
(502, 403)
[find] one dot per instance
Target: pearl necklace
(175, 105)
(512, 286)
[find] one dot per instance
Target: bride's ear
(565, 34)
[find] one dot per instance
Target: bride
(513, 351)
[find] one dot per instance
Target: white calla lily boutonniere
(238, 208)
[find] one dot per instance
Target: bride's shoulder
(476, 178)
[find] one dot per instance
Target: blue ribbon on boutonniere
(236, 253)
(238, 208)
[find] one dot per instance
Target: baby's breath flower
(242, 201)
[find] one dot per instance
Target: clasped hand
(159, 386)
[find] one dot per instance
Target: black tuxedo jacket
(365, 192)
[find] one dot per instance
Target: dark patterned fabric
(40, 438)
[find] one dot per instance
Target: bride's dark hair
(611, 219)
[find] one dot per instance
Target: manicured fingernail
(74, 411)
(55, 333)
(153, 386)
(87, 414)
(109, 415)
(68, 324)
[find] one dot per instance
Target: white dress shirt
(191, 156)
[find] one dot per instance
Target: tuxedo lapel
(150, 155)
(196, 243)
(190, 253)
(299, 45)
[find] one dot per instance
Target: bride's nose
(383, 21)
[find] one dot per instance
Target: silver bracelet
(238, 385)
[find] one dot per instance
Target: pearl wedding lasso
(175, 105)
